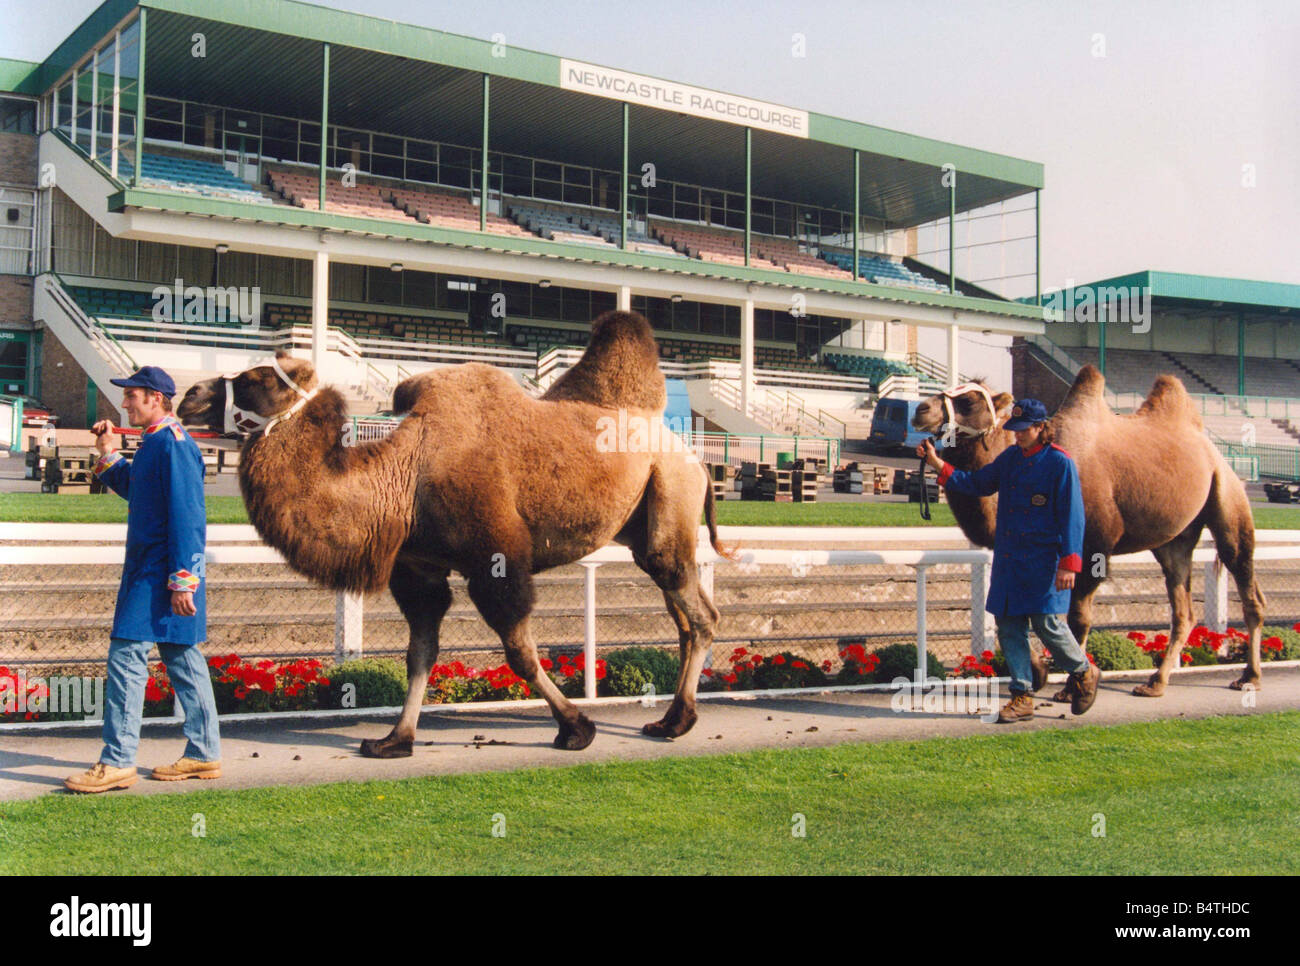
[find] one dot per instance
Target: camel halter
(245, 421)
(951, 427)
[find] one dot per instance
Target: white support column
(625, 298)
(589, 629)
(746, 354)
(348, 613)
(94, 104)
(117, 98)
(1216, 596)
(953, 342)
(320, 304)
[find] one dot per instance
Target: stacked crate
(803, 481)
(70, 470)
(936, 493)
(848, 479)
(719, 479)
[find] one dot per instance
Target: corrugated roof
(1185, 288)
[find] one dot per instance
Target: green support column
(622, 204)
(857, 206)
(1038, 272)
(952, 234)
(324, 120)
(139, 103)
(483, 191)
(749, 198)
(1241, 353)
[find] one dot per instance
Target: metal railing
(100, 338)
(39, 561)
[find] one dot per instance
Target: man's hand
(926, 452)
(105, 441)
(1064, 579)
(183, 603)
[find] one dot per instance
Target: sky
(1169, 131)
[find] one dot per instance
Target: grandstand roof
(409, 80)
(1172, 288)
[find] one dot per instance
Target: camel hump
(1088, 391)
(620, 367)
(1169, 397)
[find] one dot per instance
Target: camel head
(969, 415)
(246, 403)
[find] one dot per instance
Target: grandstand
(1233, 343)
(463, 206)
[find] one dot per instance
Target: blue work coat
(1039, 526)
(166, 531)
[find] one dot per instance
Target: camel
(1151, 480)
(483, 479)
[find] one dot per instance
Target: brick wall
(16, 300)
(18, 159)
(63, 386)
(1031, 377)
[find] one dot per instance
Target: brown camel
(482, 479)
(1151, 480)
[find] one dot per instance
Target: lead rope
(925, 493)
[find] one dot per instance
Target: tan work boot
(187, 768)
(1085, 689)
(1019, 708)
(101, 778)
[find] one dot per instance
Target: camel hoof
(386, 747)
(1245, 684)
(666, 728)
(1153, 689)
(577, 736)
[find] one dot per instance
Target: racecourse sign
(619, 85)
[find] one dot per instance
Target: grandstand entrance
(14, 347)
(242, 145)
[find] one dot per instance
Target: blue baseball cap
(1025, 413)
(149, 377)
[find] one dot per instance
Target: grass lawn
(81, 508)
(1206, 797)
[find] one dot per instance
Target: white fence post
(589, 629)
(705, 569)
(921, 661)
(1216, 596)
(347, 626)
(979, 597)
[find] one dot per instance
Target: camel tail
(711, 521)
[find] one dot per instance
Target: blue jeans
(1013, 636)
(128, 670)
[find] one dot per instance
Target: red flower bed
(11, 701)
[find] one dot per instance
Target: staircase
(1286, 426)
(1194, 375)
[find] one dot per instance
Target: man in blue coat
(1036, 552)
(162, 597)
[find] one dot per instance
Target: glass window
(17, 116)
(279, 139)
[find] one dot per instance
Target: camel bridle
(245, 422)
(950, 427)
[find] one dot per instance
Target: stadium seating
(446, 209)
(363, 200)
(875, 368)
(884, 271)
(206, 178)
(554, 224)
(114, 303)
(1133, 370)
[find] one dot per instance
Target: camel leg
(1233, 526)
(1175, 559)
(505, 601)
(424, 597)
(674, 501)
(1080, 617)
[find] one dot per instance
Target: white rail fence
(48, 545)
